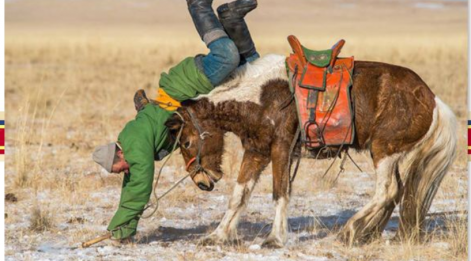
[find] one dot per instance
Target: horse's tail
(426, 166)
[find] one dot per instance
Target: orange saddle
(321, 82)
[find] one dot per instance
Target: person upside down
(146, 138)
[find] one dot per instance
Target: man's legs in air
(223, 57)
(226, 54)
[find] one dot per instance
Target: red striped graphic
(2, 139)
(469, 137)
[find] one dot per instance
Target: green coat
(146, 138)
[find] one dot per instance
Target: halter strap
(190, 162)
(201, 136)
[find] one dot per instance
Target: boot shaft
(207, 24)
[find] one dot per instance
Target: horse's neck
(233, 116)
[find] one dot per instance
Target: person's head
(111, 158)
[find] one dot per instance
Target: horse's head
(201, 144)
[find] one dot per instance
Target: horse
(398, 119)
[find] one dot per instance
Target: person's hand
(121, 242)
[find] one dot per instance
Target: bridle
(201, 136)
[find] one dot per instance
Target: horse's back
(393, 107)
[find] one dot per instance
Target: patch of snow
(442, 245)
(313, 258)
(255, 247)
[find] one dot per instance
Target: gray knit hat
(104, 155)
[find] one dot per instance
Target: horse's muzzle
(205, 180)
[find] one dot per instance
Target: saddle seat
(320, 82)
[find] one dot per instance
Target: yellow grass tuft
(41, 219)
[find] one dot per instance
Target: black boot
(206, 22)
(232, 16)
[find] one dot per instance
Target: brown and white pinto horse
(397, 118)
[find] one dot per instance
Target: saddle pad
(333, 108)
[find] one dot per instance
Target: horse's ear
(174, 124)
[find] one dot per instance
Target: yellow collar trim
(166, 102)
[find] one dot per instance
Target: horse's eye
(186, 145)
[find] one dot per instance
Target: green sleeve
(140, 140)
(138, 151)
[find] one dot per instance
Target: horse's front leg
(252, 165)
(280, 157)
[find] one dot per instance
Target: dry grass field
(72, 68)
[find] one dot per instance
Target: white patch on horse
(279, 231)
(227, 229)
(245, 83)
(271, 121)
(386, 185)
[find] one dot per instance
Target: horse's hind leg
(389, 209)
(252, 165)
(373, 217)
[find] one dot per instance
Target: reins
(156, 183)
(201, 136)
(157, 198)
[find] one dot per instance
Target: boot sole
(243, 8)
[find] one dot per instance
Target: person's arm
(137, 140)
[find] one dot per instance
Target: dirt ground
(72, 68)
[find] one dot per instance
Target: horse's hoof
(347, 237)
(213, 239)
(234, 242)
(355, 239)
(273, 242)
